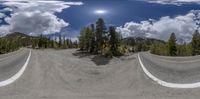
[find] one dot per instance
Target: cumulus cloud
(35, 22)
(34, 16)
(174, 2)
(2, 15)
(183, 26)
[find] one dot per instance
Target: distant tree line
(62, 42)
(138, 44)
(14, 41)
(102, 40)
(171, 48)
(97, 39)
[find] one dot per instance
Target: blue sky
(149, 18)
(121, 11)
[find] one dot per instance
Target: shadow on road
(97, 59)
(100, 60)
(81, 54)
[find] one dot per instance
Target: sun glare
(100, 11)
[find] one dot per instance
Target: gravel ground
(68, 74)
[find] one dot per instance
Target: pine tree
(87, 39)
(196, 43)
(114, 41)
(100, 35)
(82, 39)
(92, 45)
(171, 45)
(60, 41)
(88, 34)
(40, 42)
(64, 43)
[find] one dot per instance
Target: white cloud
(34, 16)
(35, 23)
(6, 10)
(2, 15)
(4, 30)
(174, 2)
(183, 26)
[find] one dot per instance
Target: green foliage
(100, 41)
(101, 35)
(109, 43)
(173, 49)
(82, 40)
(184, 50)
(97, 39)
(159, 49)
(171, 45)
(138, 44)
(86, 39)
(14, 41)
(196, 43)
(114, 41)
(60, 41)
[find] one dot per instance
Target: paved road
(11, 63)
(174, 70)
(65, 75)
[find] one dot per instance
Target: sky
(132, 18)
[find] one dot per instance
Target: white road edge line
(166, 84)
(17, 75)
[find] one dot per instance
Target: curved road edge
(17, 75)
(166, 84)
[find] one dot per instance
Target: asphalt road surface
(67, 74)
(11, 63)
(182, 70)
